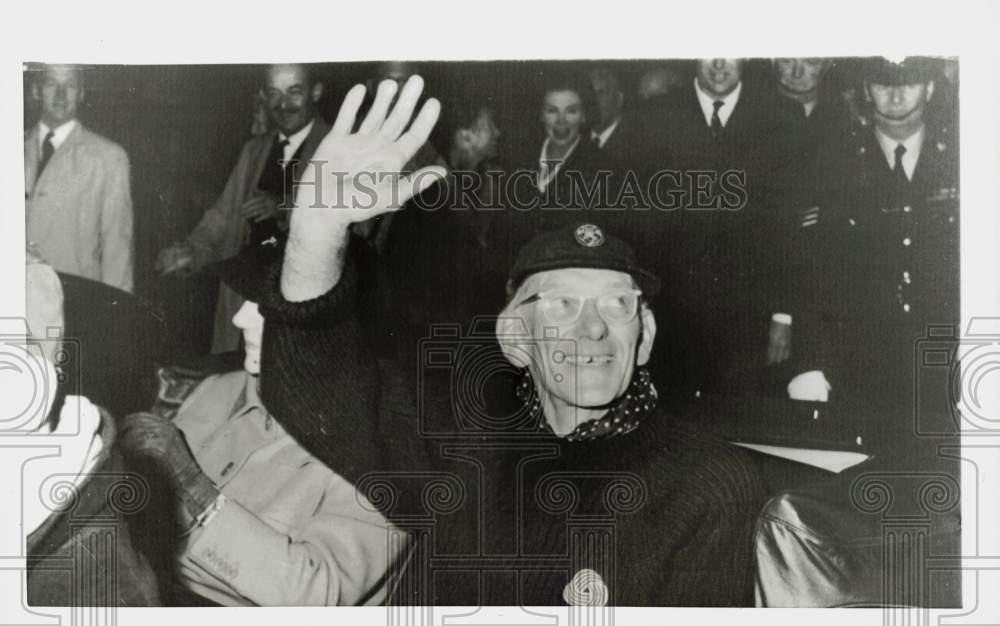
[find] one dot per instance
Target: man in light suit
(77, 192)
(249, 209)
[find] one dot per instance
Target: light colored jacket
(292, 532)
(79, 210)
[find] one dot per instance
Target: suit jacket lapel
(31, 156)
(61, 164)
(257, 164)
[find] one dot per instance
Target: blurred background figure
(609, 130)
(881, 243)
(718, 132)
(248, 210)
(445, 241)
(78, 197)
(57, 527)
(261, 122)
(658, 81)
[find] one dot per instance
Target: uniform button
(228, 467)
(906, 277)
(951, 219)
(907, 241)
(906, 308)
(907, 209)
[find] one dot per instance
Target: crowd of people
(712, 232)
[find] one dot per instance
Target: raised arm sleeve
(319, 376)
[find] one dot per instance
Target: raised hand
(353, 177)
(358, 175)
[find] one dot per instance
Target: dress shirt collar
(913, 144)
(547, 168)
(59, 134)
(707, 102)
(602, 137)
(249, 400)
(296, 139)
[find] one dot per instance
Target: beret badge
(589, 235)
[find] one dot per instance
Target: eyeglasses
(616, 307)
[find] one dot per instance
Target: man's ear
(930, 90)
(648, 321)
(317, 92)
(36, 94)
(514, 339)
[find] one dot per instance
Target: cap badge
(589, 236)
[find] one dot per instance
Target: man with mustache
(249, 209)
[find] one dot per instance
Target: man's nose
(798, 69)
(718, 64)
(591, 323)
(896, 95)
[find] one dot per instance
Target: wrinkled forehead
(285, 76)
(582, 280)
(61, 74)
(562, 98)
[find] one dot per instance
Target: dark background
(183, 127)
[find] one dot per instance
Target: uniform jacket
(79, 211)
(222, 230)
(879, 266)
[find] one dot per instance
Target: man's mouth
(590, 359)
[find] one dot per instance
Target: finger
(348, 111)
(376, 115)
(421, 128)
(403, 110)
(420, 180)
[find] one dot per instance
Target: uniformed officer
(880, 247)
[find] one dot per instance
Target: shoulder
(100, 146)
(257, 143)
(216, 390)
(708, 468)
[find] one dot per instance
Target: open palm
(354, 176)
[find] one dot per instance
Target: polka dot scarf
(623, 417)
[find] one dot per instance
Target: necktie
(48, 148)
(897, 169)
(716, 121)
(272, 180)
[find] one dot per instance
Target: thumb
(419, 181)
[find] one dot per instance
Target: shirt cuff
(782, 318)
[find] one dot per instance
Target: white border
(197, 32)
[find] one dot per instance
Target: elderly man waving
(577, 324)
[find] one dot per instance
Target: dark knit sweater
(664, 515)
